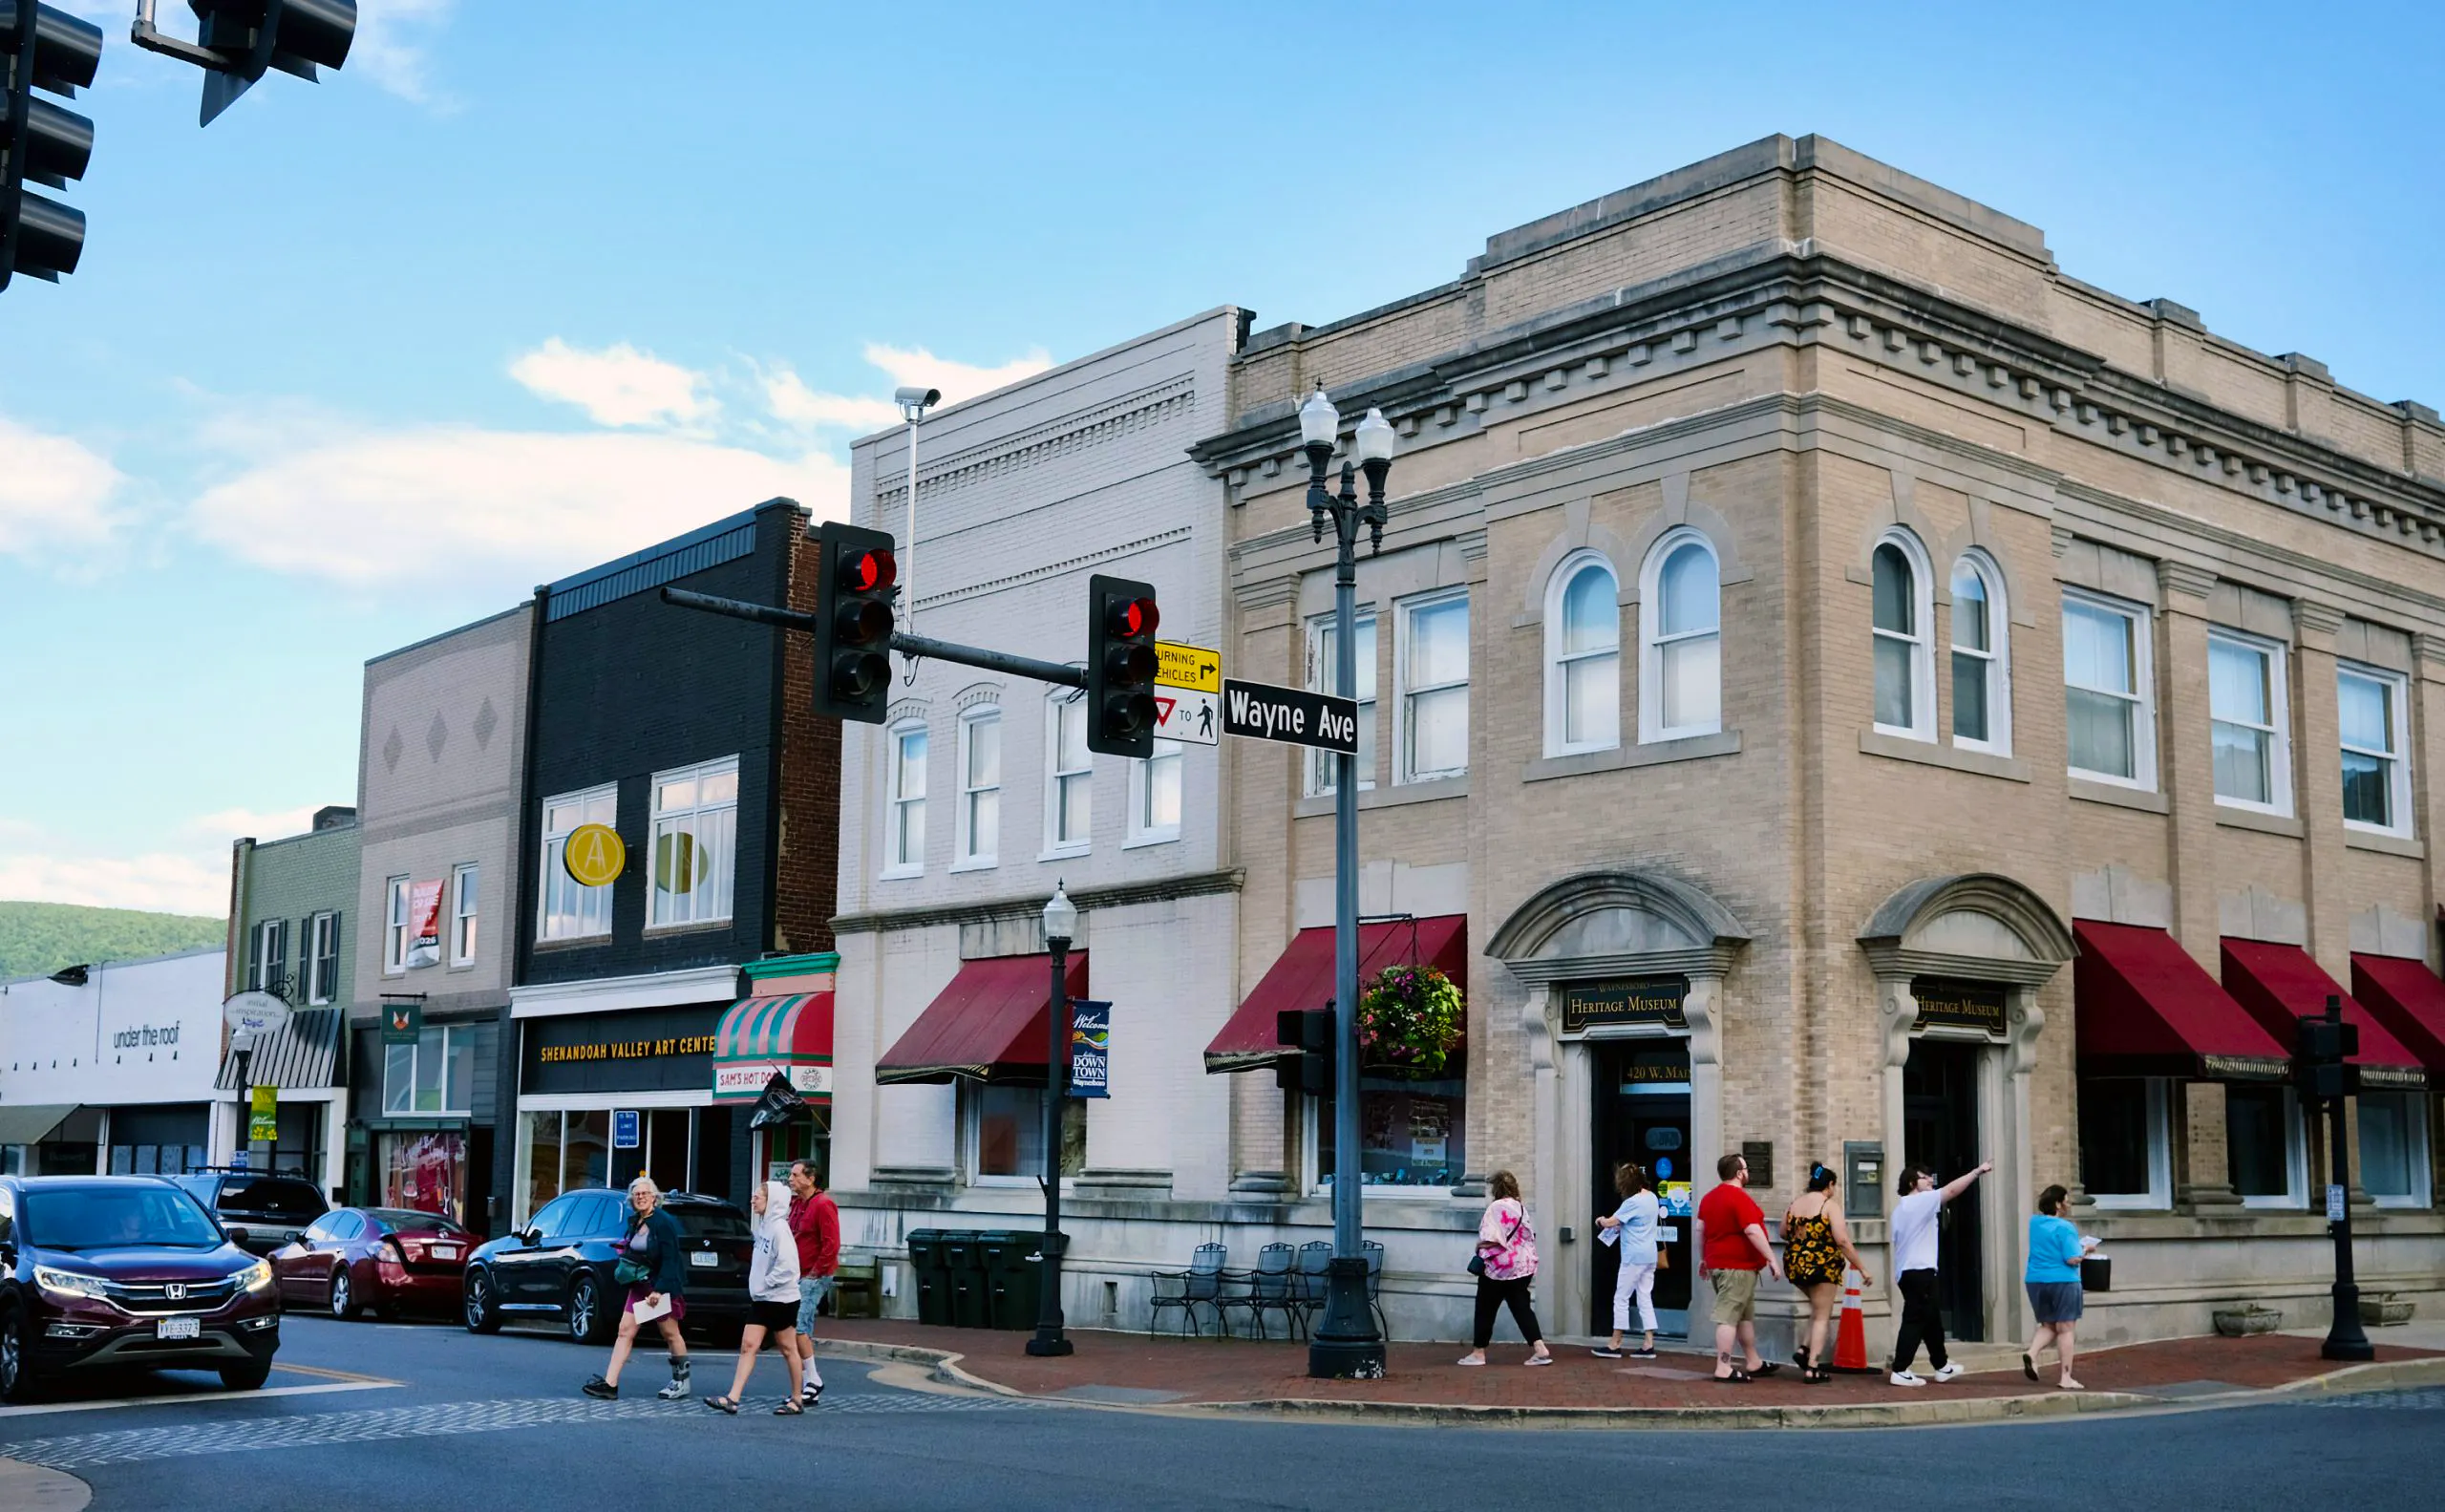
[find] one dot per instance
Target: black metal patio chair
(1199, 1284)
(1375, 1253)
(1272, 1288)
(1315, 1263)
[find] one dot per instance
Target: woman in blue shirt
(1632, 1228)
(2053, 1279)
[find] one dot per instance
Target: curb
(33, 1488)
(1922, 1412)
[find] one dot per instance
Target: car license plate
(704, 1259)
(177, 1328)
(445, 1251)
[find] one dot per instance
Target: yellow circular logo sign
(593, 855)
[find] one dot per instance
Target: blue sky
(528, 285)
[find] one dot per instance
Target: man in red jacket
(815, 1220)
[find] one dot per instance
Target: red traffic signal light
(1133, 618)
(1121, 663)
(854, 621)
(867, 571)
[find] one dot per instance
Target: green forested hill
(38, 938)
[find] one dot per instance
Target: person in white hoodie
(773, 1299)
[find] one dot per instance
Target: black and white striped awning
(303, 1053)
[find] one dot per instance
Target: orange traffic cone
(1851, 1332)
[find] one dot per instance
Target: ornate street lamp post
(1060, 927)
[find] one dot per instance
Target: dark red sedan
(388, 1260)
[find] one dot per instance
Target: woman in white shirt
(1632, 1228)
(772, 1299)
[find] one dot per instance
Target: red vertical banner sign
(424, 923)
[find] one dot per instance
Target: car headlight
(255, 1277)
(68, 1284)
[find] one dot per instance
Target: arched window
(1680, 639)
(1583, 658)
(1982, 664)
(1906, 703)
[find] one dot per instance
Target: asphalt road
(451, 1423)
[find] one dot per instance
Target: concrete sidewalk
(1425, 1384)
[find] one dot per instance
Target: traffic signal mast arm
(907, 645)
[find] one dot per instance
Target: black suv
(558, 1269)
(262, 1211)
(125, 1271)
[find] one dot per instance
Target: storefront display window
(2125, 1153)
(564, 1152)
(807, 1137)
(2393, 1148)
(426, 1171)
(1007, 1134)
(1410, 1133)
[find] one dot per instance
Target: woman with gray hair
(655, 1271)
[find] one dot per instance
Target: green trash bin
(964, 1257)
(930, 1260)
(1014, 1277)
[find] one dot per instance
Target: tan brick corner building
(1860, 695)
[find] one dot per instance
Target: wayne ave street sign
(1291, 715)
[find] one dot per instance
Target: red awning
(1303, 977)
(2278, 984)
(2143, 1007)
(2409, 1000)
(989, 1025)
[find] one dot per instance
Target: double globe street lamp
(1346, 1344)
(1060, 927)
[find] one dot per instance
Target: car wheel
(343, 1299)
(586, 1319)
(479, 1313)
(248, 1377)
(16, 1380)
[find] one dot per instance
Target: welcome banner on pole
(1089, 1049)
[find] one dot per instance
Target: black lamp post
(1060, 927)
(1346, 1345)
(2346, 1339)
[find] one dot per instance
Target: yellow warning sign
(1179, 666)
(593, 855)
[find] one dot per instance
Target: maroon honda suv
(129, 1272)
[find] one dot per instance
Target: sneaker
(1906, 1378)
(1470, 1360)
(1602, 1353)
(1641, 1353)
(1949, 1370)
(675, 1392)
(1541, 1359)
(601, 1390)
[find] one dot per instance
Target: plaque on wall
(1624, 1000)
(1949, 1003)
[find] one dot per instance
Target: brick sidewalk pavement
(1137, 1368)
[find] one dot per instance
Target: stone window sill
(1656, 752)
(1395, 796)
(2232, 818)
(1981, 763)
(2146, 803)
(2385, 845)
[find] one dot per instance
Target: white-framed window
(2126, 1141)
(568, 911)
(2394, 1147)
(268, 954)
(1431, 668)
(980, 787)
(466, 900)
(1583, 656)
(1323, 676)
(1982, 660)
(903, 842)
(322, 958)
(436, 1075)
(1069, 775)
(1155, 796)
(2253, 757)
(2374, 707)
(395, 924)
(1680, 638)
(2270, 1165)
(1002, 1135)
(695, 842)
(2110, 690)
(1902, 603)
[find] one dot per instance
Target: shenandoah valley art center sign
(639, 1050)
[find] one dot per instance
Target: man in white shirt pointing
(1914, 1269)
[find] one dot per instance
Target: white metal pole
(908, 552)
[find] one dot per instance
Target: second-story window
(569, 910)
(903, 848)
(395, 924)
(271, 955)
(323, 958)
(980, 787)
(2108, 692)
(1982, 697)
(1904, 682)
(466, 894)
(1323, 676)
(695, 842)
(2376, 778)
(1069, 775)
(1431, 667)
(2245, 717)
(1680, 631)
(1583, 659)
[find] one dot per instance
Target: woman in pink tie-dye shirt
(1506, 1264)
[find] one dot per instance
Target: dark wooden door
(1940, 1130)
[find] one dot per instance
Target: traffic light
(853, 617)
(1121, 665)
(2320, 1053)
(252, 35)
(1307, 1033)
(40, 143)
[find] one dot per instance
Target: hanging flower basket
(1411, 1020)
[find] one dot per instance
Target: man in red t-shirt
(1732, 1251)
(814, 1222)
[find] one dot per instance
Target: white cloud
(618, 385)
(958, 380)
(794, 403)
(491, 510)
(55, 493)
(162, 882)
(390, 46)
(229, 823)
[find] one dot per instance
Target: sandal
(1818, 1375)
(722, 1404)
(790, 1408)
(1767, 1369)
(1738, 1377)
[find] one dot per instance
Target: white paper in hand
(1608, 1236)
(652, 1307)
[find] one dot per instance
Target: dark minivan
(558, 1269)
(125, 1271)
(262, 1210)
